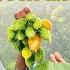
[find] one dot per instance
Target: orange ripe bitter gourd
(47, 24)
(34, 43)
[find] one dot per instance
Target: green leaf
(48, 65)
(41, 66)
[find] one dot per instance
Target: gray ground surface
(61, 32)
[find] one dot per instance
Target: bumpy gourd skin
(39, 55)
(47, 24)
(37, 24)
(34, 43)
(30, 32)
(30, 62)
(11, 35)
(31, 17)
(45, 34)
(20, 24)
(26, 53)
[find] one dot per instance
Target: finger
(27, 10)
(52, 56)
(58, 57)
(22, 13)
(17, 16)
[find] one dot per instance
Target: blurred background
(57, 12)
(36, 0)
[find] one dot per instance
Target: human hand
(22, 13)
(56, 57)
(20, 63)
